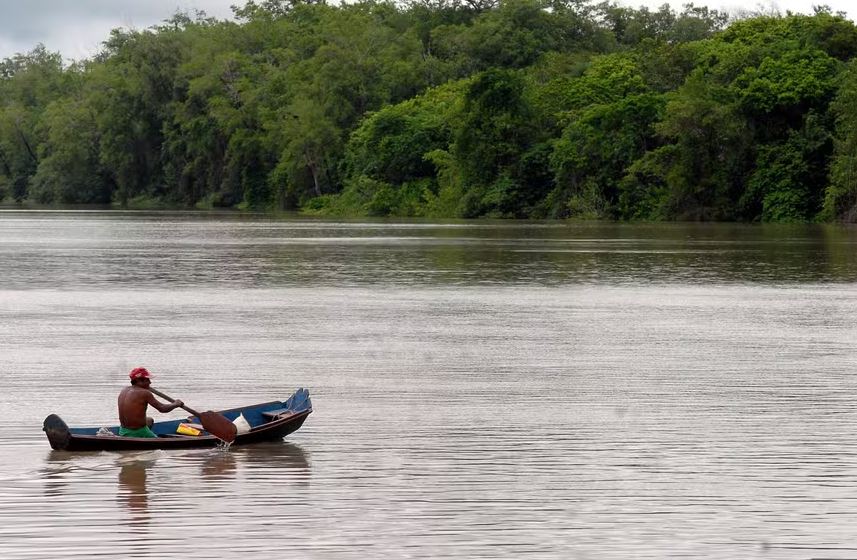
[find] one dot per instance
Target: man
(133, 401)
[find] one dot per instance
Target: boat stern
(57, 431)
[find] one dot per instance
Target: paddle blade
(218, 425)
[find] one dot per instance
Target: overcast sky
(76, 28)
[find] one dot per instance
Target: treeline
(448, 108)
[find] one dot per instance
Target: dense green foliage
(511, 108)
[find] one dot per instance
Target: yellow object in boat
(188, 430)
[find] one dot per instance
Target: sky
(76, 28)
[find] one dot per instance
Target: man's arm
(161, 407)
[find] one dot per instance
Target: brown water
(481, 389)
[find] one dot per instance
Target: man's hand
(178, 403)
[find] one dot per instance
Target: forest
(541, 109)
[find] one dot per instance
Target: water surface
(481, 389)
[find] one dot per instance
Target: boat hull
(269, 422)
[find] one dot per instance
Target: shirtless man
(133, 401)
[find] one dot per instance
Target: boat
(267, 421)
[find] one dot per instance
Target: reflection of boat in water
(214, 466)
(55, 472)
(269, 421)
(218, 466)
(146, 478)
(132, 486)
(279, 454)
(142, 475)
(216, 462)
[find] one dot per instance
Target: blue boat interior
(256, 415)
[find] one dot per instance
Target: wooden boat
(268, 421)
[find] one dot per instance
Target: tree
(787, 184)
(707, 153)
(307, 163)
(133, 90)
(28, 84)
(495, 132)
(840, 200)
(595, 152)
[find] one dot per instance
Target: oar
(213, 422)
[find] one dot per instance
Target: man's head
(140, 376)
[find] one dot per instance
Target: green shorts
(137, 432)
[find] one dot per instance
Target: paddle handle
(169, 398)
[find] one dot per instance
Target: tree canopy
(448, 108)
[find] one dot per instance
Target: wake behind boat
(267, 421)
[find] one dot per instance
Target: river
(482, 389)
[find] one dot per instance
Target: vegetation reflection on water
(180, 251)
